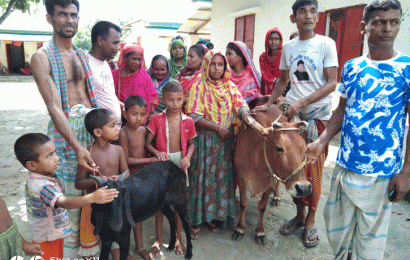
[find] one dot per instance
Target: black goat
(156, 187)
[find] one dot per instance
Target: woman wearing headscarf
(178, 57)
(159, 72)
(214, 103)
(269, 61)
(191, 74)
(132, 79)
(244, 73)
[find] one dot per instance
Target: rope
(284, 107)
(271, 170)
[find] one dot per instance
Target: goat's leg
(124, 246)
(167, 211)
(259, 230)
(183, 214)
(105, 249)
(240, 228)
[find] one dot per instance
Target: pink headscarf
(139, 83)
(132, 47)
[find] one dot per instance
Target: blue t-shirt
(376, 94)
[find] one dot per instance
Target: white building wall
(29, 49)
(269, 14)
(3, 55)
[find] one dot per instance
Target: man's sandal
(307, 235)
(291, 223)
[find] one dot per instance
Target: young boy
(46, 203)
(110, 159)
(11, 242)
(174, 132)
(132, 140)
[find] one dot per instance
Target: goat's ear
(122, 176)
(100, 181)
(98, 223)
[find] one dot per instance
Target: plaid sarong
(320, 113)
(60, 80)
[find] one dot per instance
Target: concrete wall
(30, 48)
(3, 55)
(269, 14)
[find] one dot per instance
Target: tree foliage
(8, 6)
(83, 37)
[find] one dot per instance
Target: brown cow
(285, 155)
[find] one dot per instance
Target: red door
(352, 40)
(245, 30)
(321, 24)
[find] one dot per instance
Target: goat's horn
(100, 181)
(122, 176)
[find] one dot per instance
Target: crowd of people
(110, 118)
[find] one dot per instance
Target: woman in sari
(244, 74)
(178, 57)
(191, 74)
(159, 72)
(269, 61)
(214, 103)
(132, 79)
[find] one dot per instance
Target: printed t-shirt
(47, 222)
(316, 54)
(376, 93)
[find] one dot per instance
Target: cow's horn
(122, 176)
(276, 124)
(302, 125)
(100, 181)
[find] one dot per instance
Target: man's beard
(66, 35)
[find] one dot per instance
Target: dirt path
(22, 111)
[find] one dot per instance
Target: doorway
(15, 56)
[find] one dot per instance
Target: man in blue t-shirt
(375, 95)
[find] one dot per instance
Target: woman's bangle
(219, 129)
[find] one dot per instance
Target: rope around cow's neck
(276, 176)
(284, 107)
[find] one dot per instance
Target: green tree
(8, 6)
(83, 37)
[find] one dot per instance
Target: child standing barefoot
(174, 132)
(132, 140)
(102, 125)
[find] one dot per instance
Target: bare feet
(156, 248)
(144, 254)
(130, 257)
(179, 247)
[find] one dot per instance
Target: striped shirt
(48, 223)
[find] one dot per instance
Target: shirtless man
(66, 85)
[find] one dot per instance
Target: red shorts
(52, 249)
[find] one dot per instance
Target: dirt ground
(22, 110)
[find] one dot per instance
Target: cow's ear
(100, 181)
